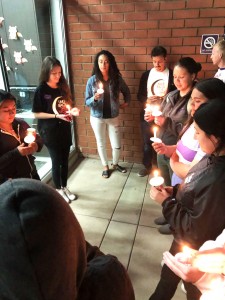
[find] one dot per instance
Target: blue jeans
(148, 153)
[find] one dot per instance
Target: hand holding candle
(30, 135)
(155, 111)
(156, 180)
(100, 91)
(154, 138)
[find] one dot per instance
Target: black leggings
(60, 156)
(169, 281)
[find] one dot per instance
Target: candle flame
(156, 173)
(187, 250)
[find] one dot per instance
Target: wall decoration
(14, 34)
(1, 21)
(19, 59)
(29, 46)
(7, 67)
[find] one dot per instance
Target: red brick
(123, 7)
(212, 13)
(99, 9)
(123, 25)
(198, 22)
(167, 5)
(101, 26)
(159, 33)
(199, 3)
(113, 34)
(146, 6)
(186, 14)
(184, 32)
(218, 3)
(171, 23)
(160, 15)
(137, 16)
(146, 25)
(113, 17)
(168, 41)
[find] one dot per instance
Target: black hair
(4, 95)
(190, 65)
(114, 72)
(47, 65)
(159, 51)
(210, 118)
(211, 88)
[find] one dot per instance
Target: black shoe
(119, 168)
(160, 221)
(143, 172)
(165, 229)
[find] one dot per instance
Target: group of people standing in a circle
(190, 156)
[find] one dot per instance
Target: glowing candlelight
(156, 180)
(75, 111)
(148, 108)
(31, 135)
(154, 138)
(156, 112)
(100, 89)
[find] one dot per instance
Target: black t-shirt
(106, 103)
(52, 131)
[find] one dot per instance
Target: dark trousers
(59, 155)
(169, 281)
(148, 151)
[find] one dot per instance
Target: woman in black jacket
(16, 156)
(195, 210)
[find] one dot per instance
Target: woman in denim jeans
(102, 96)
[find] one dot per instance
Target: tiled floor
(117, 215)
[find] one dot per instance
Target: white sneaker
(69, 194)
(61, 192)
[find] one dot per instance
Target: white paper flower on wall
(19, 59)
(7, 67)
(29, 46)
(14, 33)
(1, 21)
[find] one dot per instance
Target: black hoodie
(43, 253)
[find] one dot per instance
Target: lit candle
(75, 111)
(31, 135)
(154, 138)
(100, 89)
(156, 180)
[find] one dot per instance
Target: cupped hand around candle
(159, 194)
(160, 120)
(97, 96)
(64, 117)
(148, 116)
(75, 111)
(183, 270)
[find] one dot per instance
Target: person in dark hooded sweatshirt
(43, 252)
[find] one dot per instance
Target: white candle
(156, 180)
(100, 89)
(31, 135)
(154, 138)
(148, 108)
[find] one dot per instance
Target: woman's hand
(159, 148)
(123, 105)
(75, 111)
(97, 96)
(210, 261)
(148, 116)
(64, 117)
(160, 120)
(184, 270)
(27, 150)
(159, 194)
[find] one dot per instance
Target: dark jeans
(148, 151)
(165, 169)
(169, 281)
(59, 155)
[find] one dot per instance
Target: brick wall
(129, 29)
